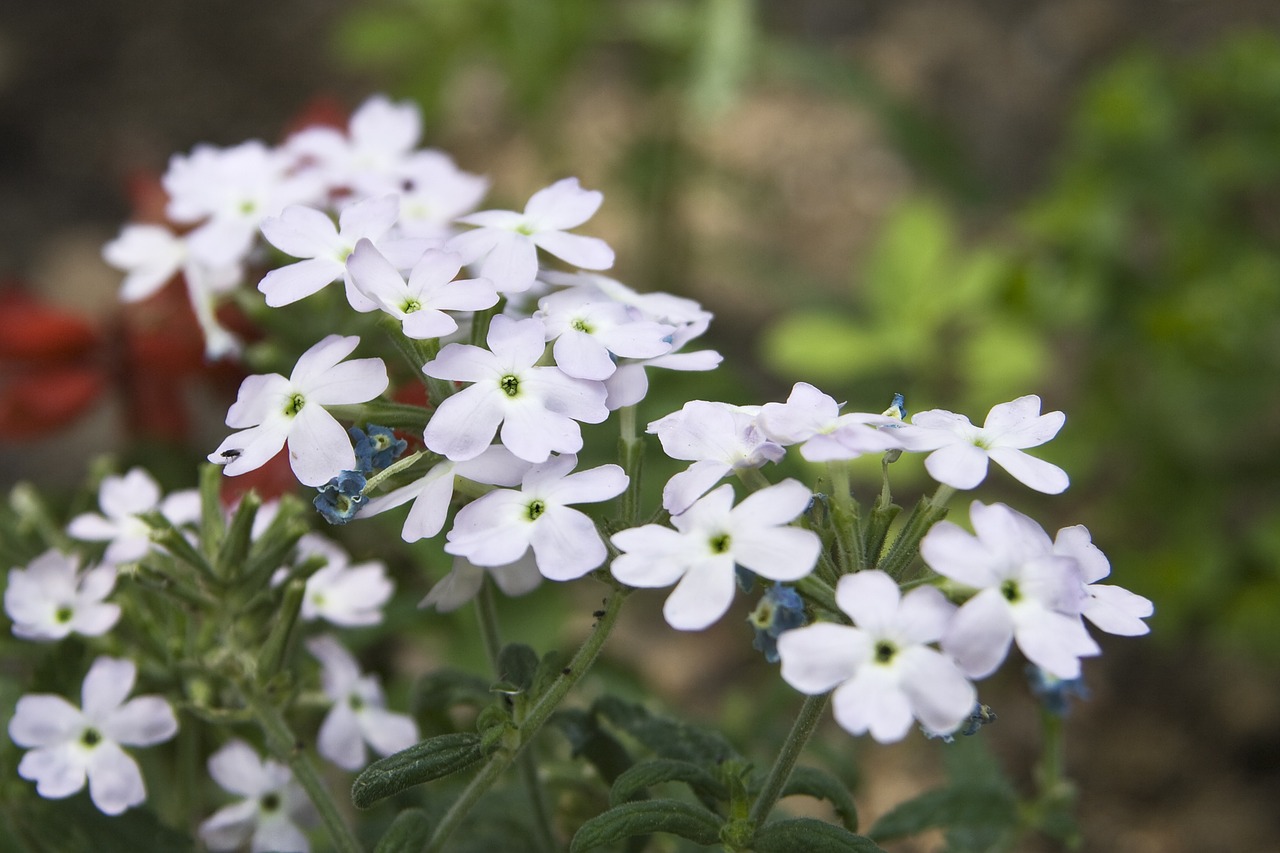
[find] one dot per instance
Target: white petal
(229, 827)
(980, 634)
(302, 232)
(58, 771)
(319, 448)
(777, 553)
(702, 596)
(44, 720)
(107, 683)
(566, 544)
(357, 381)
(562, 205)
(941, 697)
(1117, 610)
(1055, 642)
(386, 732)
(512, 264)
(960, 466)
(339, 739)
(1031, 472)
(317, 361)
(871, 600)
(115, 782)
(142, 721)
(286, 285)
(588, 253)
(873, 702)
(456, 588)
(817, 657)
(237, 768)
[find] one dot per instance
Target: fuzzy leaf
(966, 807)
(806, 835)
(408, 833)
(647, 816)
(659, 770)
(517, 664)
(819, 783)
(667, 738)
(431, 759)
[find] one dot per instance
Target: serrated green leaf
(660, 770)
(819, 783)
(969, 807)
(408, 833)
(806, 835)
(431, 759)
(645, 817)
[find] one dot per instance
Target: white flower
(719, 439)
(371, 157)
(265, 817)
(433, 492)
(961, 450)
(538, 407)
(710, 538)
(814, 418)
(122, 500)
(591, 332)
(1026, 592)
(359, 713)
(886, 671)
(436, 192)
(270, 410)
(497, 529)
(68, 744)
(465, 579)
(310, 234)
(1113, 609)
(50, 598)
(507, 243)
(419, 304)
(347, 595)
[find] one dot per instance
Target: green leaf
(431, 759)
(659, 770)
(971, 807)
(408, 833)
(819, 783)
(517, 664)
(442, 690)
(667, 738)
(806, 835)
(606, 754)
(647, 816)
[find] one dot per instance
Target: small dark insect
(566, 671)
(599, 614)
(231, 454)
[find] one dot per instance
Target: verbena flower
(271, 410)
(465, 578)
(370, 158)
(883, 670)
(50, 598)
(1110, 608)
(359, 713)
(434, 192)
(1025, 592)
(267, 816)
(340, 499)
(68, 744)
(812, 419)
(710, 538)
(506, 243)
(537, 407)
(123, 499)
(960, 450)
(591, 332)
(718, 438)
(497, 529)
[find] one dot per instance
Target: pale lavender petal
(777, 553)
(463, 426)
(873, 702)
(702, 596)
(769, 507)
(960, 466)
(533, 433)
(923, 615)
(582, 356)
(94, 620)
(387, 732)
(562, 205)
(496, 466)
(464, 363)
(238, 769)
(1076, 542)
(566, 544)
(1116, 610)
(115, 782)
(340, 740)
(260, 396)
(42, 719)
(1055, 643)
(105, 687)
(92, 527)
(980, 634)
(340, 670)
(57, 770)
(369, 219)
(518, 578)
(473, 245)
(427, 323)
(591, 486)
(302, 232)
(580, 399)
(142, 721)
(1031, 472)
(655, 556)
(512, 264)
(230, 827)
(373, 274)
(277, 834)
(321, 358)
(250, 449)
(286, 285)
(357, 381)
(588, 253)
(871, 600)
(468, 294)
(319, 448)
(955, 553)
(131, 494)
(507, 220)
(433, 272)
(941, 697)
(684, 489)
(456, 588)
(817, 657)
(627, 386)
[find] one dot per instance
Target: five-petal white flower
(267, 814)
(1026, 592)
(710, 538)
(506, 243)
(1110, 608)
(67, 743)
(359, 714)
(271, 410)
(814, 418)
(591, 332)
(887, 674)
(50, 598)
(122, 500)
(538, 407)
(497, 529)
(961, 450)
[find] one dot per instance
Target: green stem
(533, 721)
(282, 743)
(928, 511)
(391, 470)
(844, 516)
(801, 730)
(632, 454)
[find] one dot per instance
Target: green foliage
(408, 833)
(646, 774)
(645, 817)
(806, 835)
(76, 826)
(819, 783)
(433, 758)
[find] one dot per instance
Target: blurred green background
(961, 200)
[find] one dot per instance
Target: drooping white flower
(465, 579)
(419, 304)
(537, 407)
(371, 157)
(68, 744)
(883, 670)
(813, 420)
(359, 714)
(718, 438)
(506, 243)
(1111, 608)
(347, 595)
(51, 598)
(961, 450)
(122, 500)
(1025, 592)
(324, 248)
(271, 410)
(432, 493)
(267, 816)
(591, 333)
(710, 538)
(497, 529)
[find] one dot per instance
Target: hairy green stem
(801, 730)
(844, 515)
(282, 743)
(632, 454)
(928, 511)
(533, 721)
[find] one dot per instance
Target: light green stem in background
(631, 453)
(282, 743)
(537, 716)
(801, 730)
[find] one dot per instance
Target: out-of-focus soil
(1179, 749)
